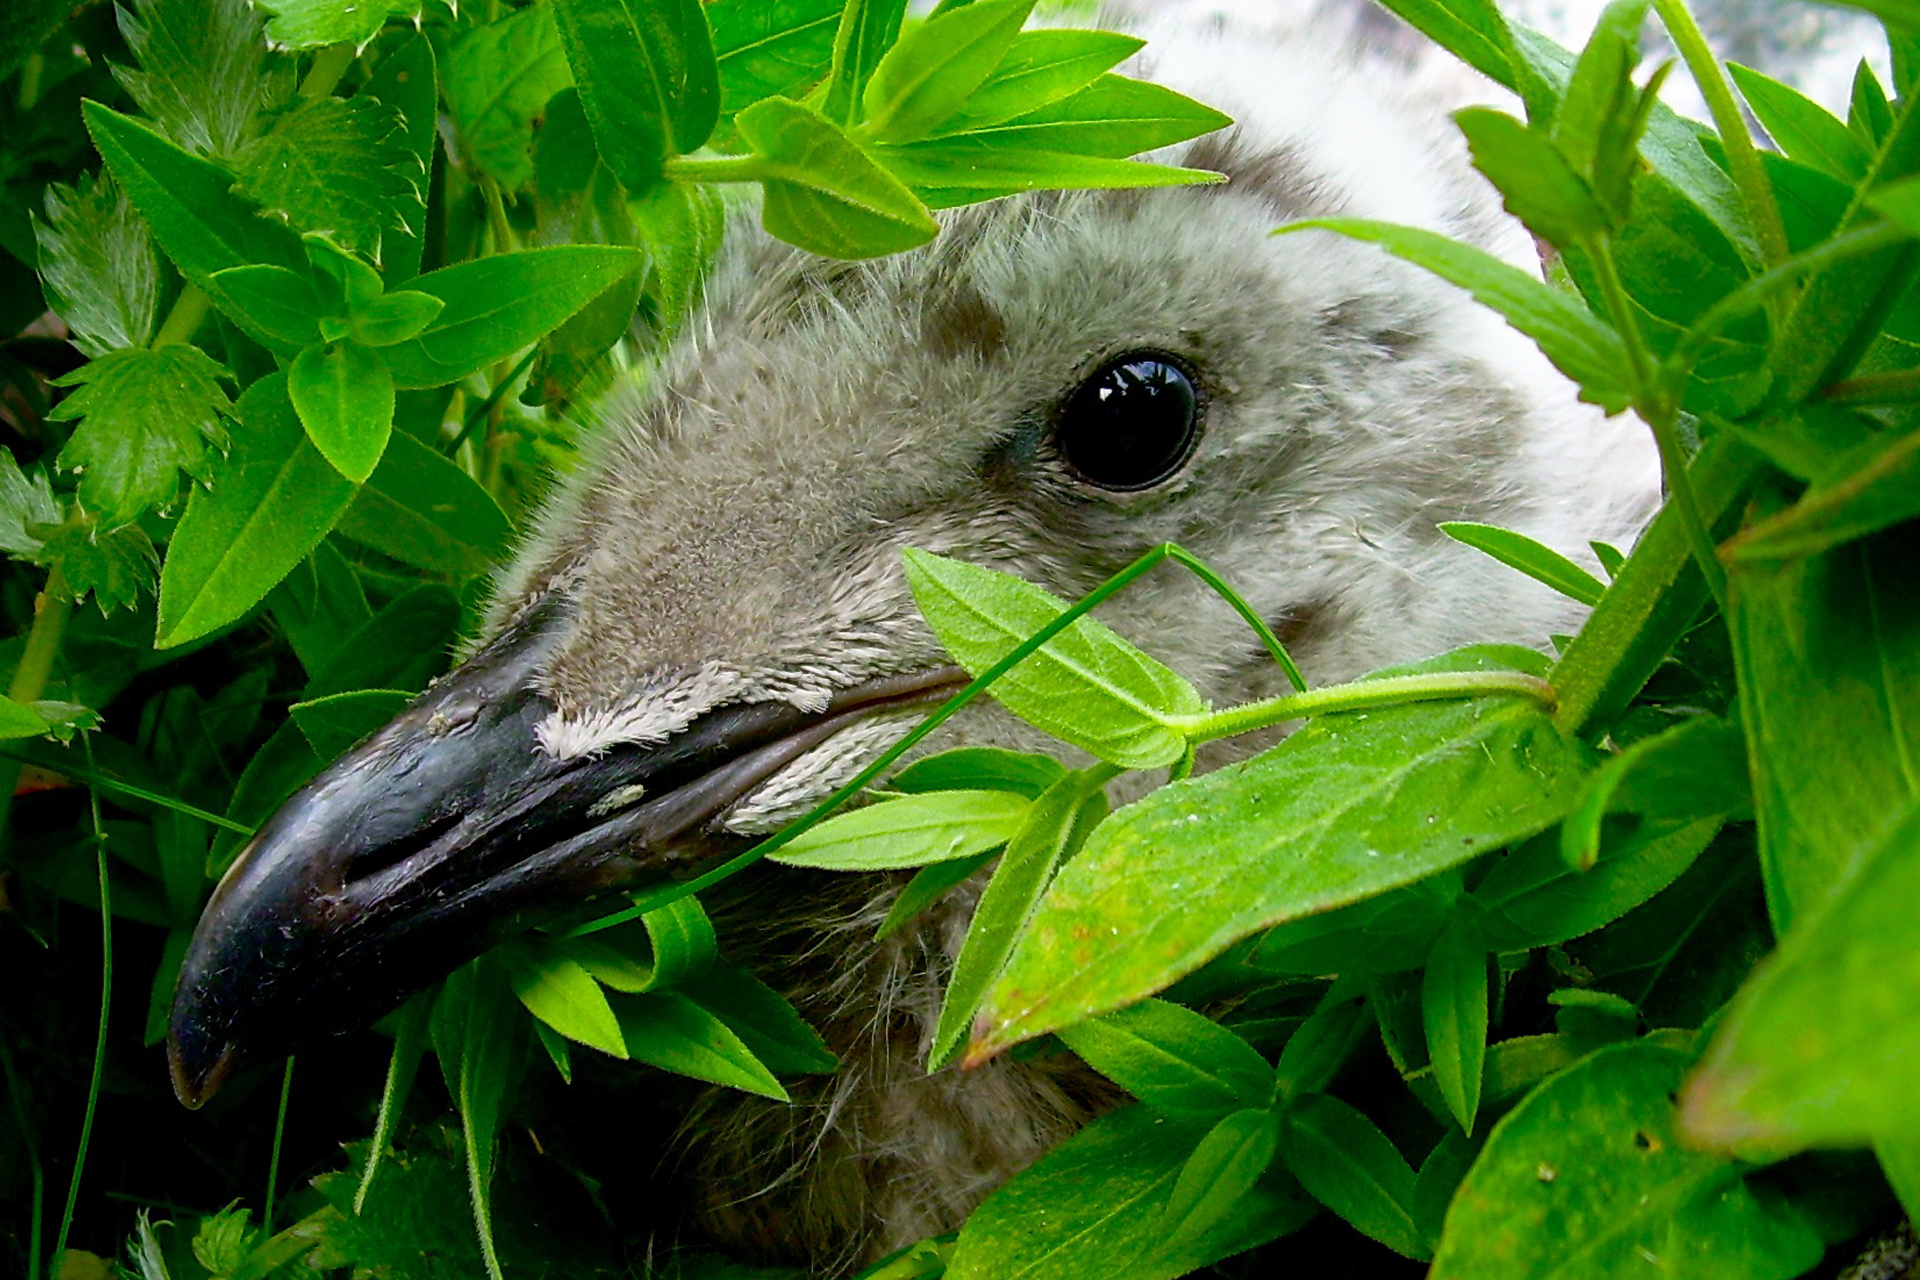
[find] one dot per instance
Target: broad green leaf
(269, 501)
(910, 831)
(26, 499)
(408, 80)
(924, 78)
(1823, 648)
(1472, 30)
(1093, 1209)
(201, 63)
(147, 414)
(335, 722)
(1535, 898)
(1882, 492)
(1086, 686)
(1390, 933)
(344, 396)
(1802, 128)
(1536, 183)
(499, 77)
(929, 884)
(1348, 807)
(1174, 1060)
(309, 24)
(948, 173)
(867, 30)
(339, 165)
(1697, 769)
(1453, 1004)
(1222, 1172)
(403, 646)
(495, 306)
(274, 302)
(613, 966)
(823, 192)
(1347, 1164)
(1110, 118)
(420, 508)
(765, 50)
(965, 768)
(1052, 828)
(646, 75)
(1588, 1178)
(562, 994)
(97, 265)
(1038, 69)
(1316, 1050)
(114, 566)
(674, 1033)
(1818, 1046)
(682, 941)
(1578, 343)
(393, 317)
(17, 721)
(1518, 551)
(764, 1021)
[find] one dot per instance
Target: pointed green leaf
(1113, 117)
(272, 301)
(762, 1018)
(1518, 551)
(147, 415)
(1802, 128)
(1176, 1061)
(766, 50)
(309, 24)
(1536, 183)
(1222, 1172)
(1697, 769)
(909, 831)
(394, 317)
(924, 78)
(344, 396)
(334, 723)
(676, 1034)
(499, 78)
(1342, 1158)
(562, 994)
(823, 192)
(977, 769)
(420, 508)
(646, 75)
(868, 28)
(948, 173)
(1038, 69)
(1453, 1005)
(17, 721)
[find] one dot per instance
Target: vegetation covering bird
(710, 628)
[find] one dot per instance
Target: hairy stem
(328, 66)
(1390, 691)
(189, 309)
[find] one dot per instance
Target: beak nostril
(370, 862)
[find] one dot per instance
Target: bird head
(709, 628)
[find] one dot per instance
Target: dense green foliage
(1421, 984)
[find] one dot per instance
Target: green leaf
(675, 1034)
(403, 646)
(929, 884)
(1815, 1048)
(272, 301)
(823, 193)
(1093, 1209)
(1535, 898)
(1453, 1006)
(562, 994)
(481, 1043)
(1038, 69)
(115, 567)
(867, 30)
(202, 63)
(1587, 1177)
(339, 165)
(1536, 183)
(1577, 342)
(682, 940)
(1174, 1060)
(1518, 551)
(1087, 686)
(309, 24)
(147, 414)
(1802, 128)
(948, 173)
(495, 306)
(1350, 806)
(766, 50)
(394, 317)
(1222, 1172)
(924, 78)
(965, 768)
(26, 499)
(1053, 827)
(97, 265)
(408, 80)
(762, 1018)
(499, 78)
(646, 74)
(269, 502)
(344, 396)
(1110, 118)
(1347, 1164)
(910, 831)
(1697, 769)
(336, 722)
(17, 721)
(1316, 1050)
(420, 508)
(1823, 651)
(1883, 491)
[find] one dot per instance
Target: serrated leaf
(1348, 807)
(1347, 1164)
(676, 1034)
(924, 78)
(338, 165)
(561, 993)
(909, 831)
(1453, 1005)
(765, 50)
(1087, 686)
(1536, 183)
(1113, 117)
(97, 265)
(868, 28)
(202, 65)
(114, 566)
(418, 507)
(1577, 341)
(268, 503)
(495, 306)
(309, 24)
(1222, 1172)
(499, 78)
(408, 80)
(1518, 551)
(1802, 128)
(274, 301)
(333, 723)
(1174, 1060)
(147, 414)
(26, 499)
(823, 192)
(17, 721)
(1038, 69)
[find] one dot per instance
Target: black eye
(1132, 424)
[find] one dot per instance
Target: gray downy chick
(710, 628)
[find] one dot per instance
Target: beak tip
(195, 1082)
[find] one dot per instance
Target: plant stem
(100, 1033)
(716, 168)
(1877, 388)
(189, 309)
(51, 609)
(1360, 695)
(328, 66)
(273, 1161)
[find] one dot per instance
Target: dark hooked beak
(450, 829)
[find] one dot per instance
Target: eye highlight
(1132, 424)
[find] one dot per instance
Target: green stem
(107, 782)
(100, 1033)
(1674, 463)
(716, 168)
(30, 73)
(328, 66)
(1877, 388)
(1742, 157)
(1390, 691)
(273, 1160)
(51, 609)
(1599, 250)
(189, 309)
(497, 224)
